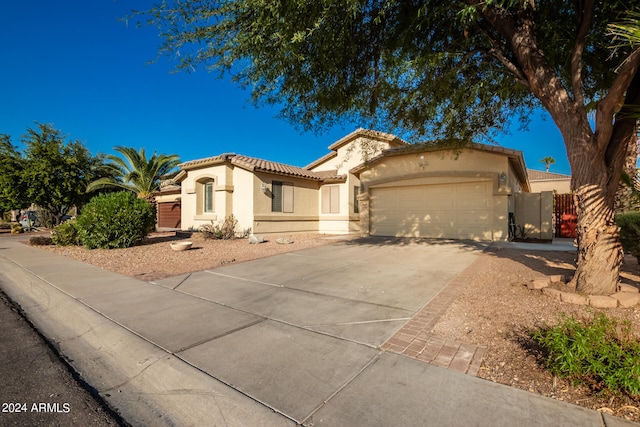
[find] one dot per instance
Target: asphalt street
(37, 387)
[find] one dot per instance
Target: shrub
(629, 224)
(115, 220)
(599, 352)
(228, 229)
(40, 241)
(66, 234)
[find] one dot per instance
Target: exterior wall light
(502, 179)
(422, 163)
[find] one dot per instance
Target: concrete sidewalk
(268, 342)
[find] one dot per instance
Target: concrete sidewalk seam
(363, 322)
(181, 282)
(303, 291)
(229, 332)
(342, 387)
(243, 279)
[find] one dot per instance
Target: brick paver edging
(415, 340)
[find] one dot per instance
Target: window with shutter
(276, 196)
(331, 199)
(282, 197)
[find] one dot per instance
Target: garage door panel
(462, 211)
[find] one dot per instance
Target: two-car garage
(457, 211)
(425, 192)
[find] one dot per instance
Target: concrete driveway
(361, 291)
(312, 320)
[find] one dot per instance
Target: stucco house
(549, 181)
(371, 183)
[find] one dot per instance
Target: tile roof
(253, 163)
(535, 175)
(256, 164)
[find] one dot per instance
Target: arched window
(205, 192)
(208, 197)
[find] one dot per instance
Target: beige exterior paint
(534, 215)
(346, 154)
(562, 186)
(193, 216)
(461, 211)
(402, 190)
(440, 194)
(549, 181)
(305, 206)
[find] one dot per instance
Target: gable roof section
(515, 157)
(392, 140)
(255, 164)
(535, 175)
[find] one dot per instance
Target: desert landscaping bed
(496, 309)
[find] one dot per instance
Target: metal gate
(565, 217)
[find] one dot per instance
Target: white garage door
(456, 211)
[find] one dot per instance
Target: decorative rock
(557, 278)
(540, 283)
(553, 293)
(284, 241)
(253, 239)
(626, 299)
(181, 246)
(602, 301)
(623, 287)
(573, 298)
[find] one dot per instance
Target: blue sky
(75, 65)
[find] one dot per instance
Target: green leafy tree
(56, 173)
(134, 172)
(12, 191)
(548, 161)
(454, 70)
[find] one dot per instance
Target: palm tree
(135, 173)
(548, 161)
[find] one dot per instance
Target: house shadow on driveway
(411, 241)
(548, 259)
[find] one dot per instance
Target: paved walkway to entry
(415, 340)
(288, 340)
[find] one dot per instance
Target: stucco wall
(534, 215)
(191, 218)
(560, 186)
(353, 153)
(447, 168)
(244, 193)
(305, 206)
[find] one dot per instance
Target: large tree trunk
(599, 249)
(594, 183)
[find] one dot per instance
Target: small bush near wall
(66, 234)
(115, 220)
(228, 229)
(629, 224)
